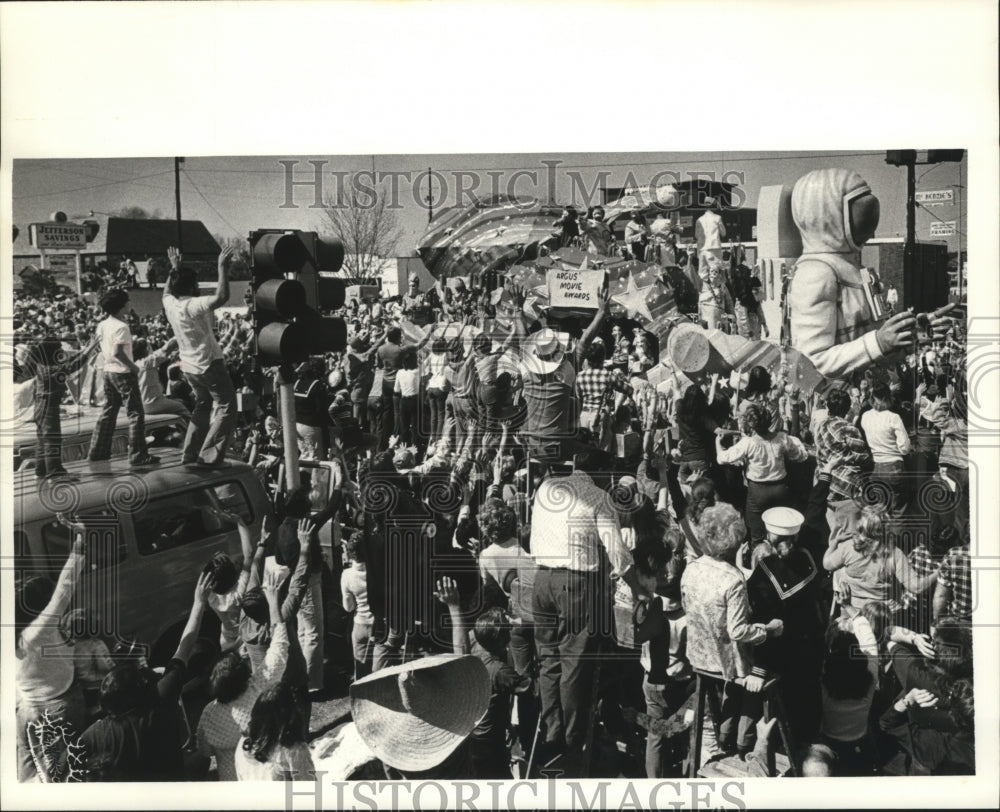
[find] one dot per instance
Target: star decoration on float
(643, 295)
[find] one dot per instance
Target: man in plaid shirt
(837, 437)
(594, 382)
(953, 593)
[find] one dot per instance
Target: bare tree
(240, 269)
(361, 218)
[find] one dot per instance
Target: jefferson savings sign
(58, 235)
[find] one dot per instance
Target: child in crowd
(91, 657)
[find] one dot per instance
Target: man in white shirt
(709, 232)
(121, 385)
(889, 443)
(574, 527)
(202, 361)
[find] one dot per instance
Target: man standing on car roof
(202, 361)
(121, 384)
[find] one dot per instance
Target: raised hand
(226, 259)
(202, 589)
(306, 528)
(447, 592)
(174, 255)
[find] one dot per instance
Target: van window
(189, 516)
(105, 543)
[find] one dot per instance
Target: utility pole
(430, 198)
(177, 199)
(910, 250)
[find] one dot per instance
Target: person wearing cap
(417, 717)
(785, 583)
(709, 232)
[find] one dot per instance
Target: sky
(234, 195)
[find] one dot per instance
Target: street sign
(58, 235)
(61, 263)
(943, 229)
(938, 198)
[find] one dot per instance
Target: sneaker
(145, 459)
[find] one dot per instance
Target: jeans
(892, 476)
(409, 420)
(389, 651)
(70, 707)
(310, 622)
(522, 657)
(48, 456)
(361, 636)
(661, 701)
(214, 417)
(120, 387)
(386, 415)
(762, 496)
(569, 608)
(165, 405)
(436, 398)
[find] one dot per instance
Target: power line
(217, 212)
(932, 214)
(93, 186)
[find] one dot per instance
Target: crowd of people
(586, 542)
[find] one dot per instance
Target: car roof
(73, 426)
(96, 478)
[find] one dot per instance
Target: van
(149, 535)
(161, 430)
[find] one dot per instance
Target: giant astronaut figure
(831, 318)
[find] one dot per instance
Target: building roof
(135, 238)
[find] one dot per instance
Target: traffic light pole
(286, 401)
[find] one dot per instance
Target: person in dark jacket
(945, 749)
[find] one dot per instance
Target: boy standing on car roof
(121, 384)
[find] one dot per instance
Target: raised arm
(300, 577)
(222, 287)
(190, 634)
(174, 256)
(447, 593)
(65, 586)
(595, 324)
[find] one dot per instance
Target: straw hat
(544, 352)
(413, 716)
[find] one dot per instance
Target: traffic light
(901, 157)
(940, 156)
(288, 326)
